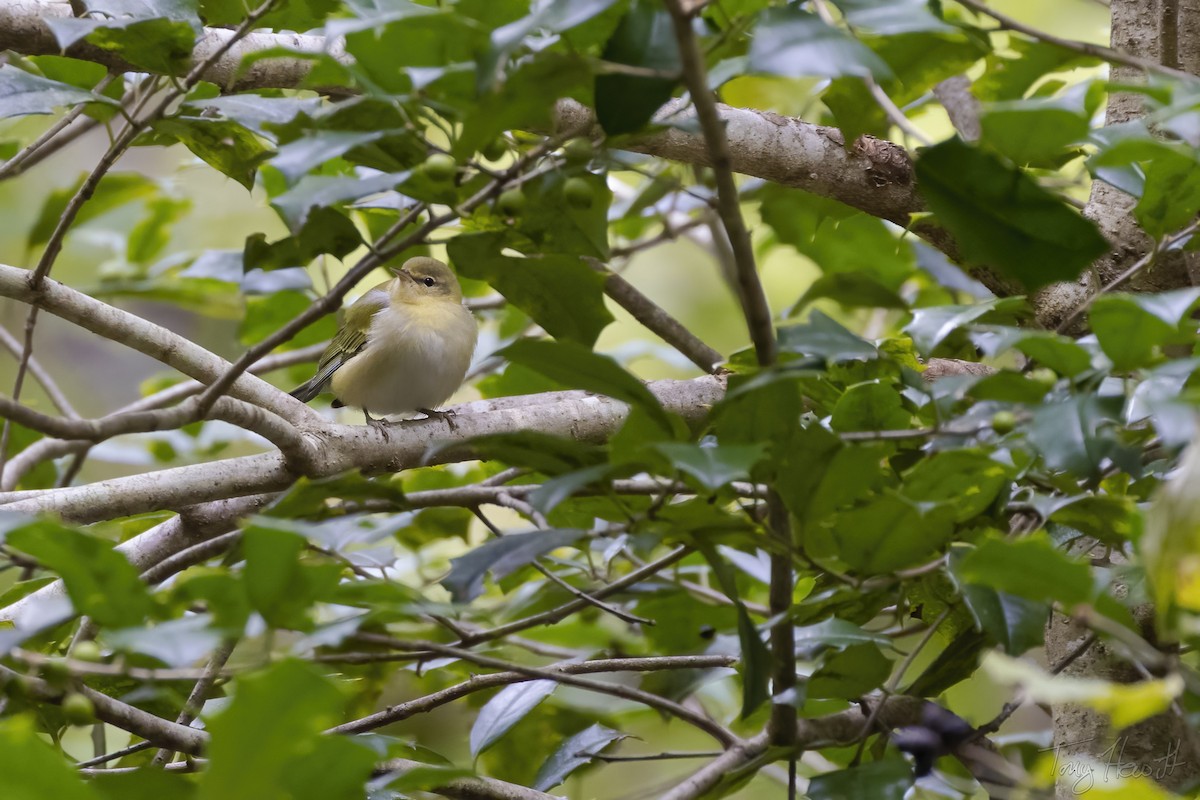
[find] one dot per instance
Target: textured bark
(1167, 31)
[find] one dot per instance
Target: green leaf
(22, 93)
(225, 146)
(1002, 219)
(1060, 353)
(795, 43)
(502, 556)
(1132, 329)
(870, 407)
(554, 17)
(100, 581)
(1030, 567)
(297, 158)
(756, 658)
(290, 757)
(891, 17)
(891, 533)
(889, 779)
(850, 673)
(825, 338)
(552, 455)
(852, 289)
(575, 752)
(279, 586)
(1035, 131)
(573, 365)
(834, 633)
(930, 326)
(966, 480)
(1171, 197)
(1017, 623)
(714, 466)
(645, 38)
(560, 293)
(176, 642)
(32, 769)
(1077, 435)
(159, 45)
(144, 784)
(115, 190)
(506, 708)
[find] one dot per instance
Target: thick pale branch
(578, 415)
(153, 340)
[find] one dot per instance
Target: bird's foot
(380, 425)
(446, 416)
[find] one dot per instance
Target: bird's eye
(429, 281)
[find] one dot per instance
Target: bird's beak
(402, 272)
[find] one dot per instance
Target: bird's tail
(307, 390)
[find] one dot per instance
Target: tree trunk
(1164, 747)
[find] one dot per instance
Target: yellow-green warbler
(404, 346)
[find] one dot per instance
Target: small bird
(404, 346)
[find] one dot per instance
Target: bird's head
(421, 280)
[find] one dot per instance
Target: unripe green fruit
(440, 167)
(511, 202)
(578, 193)
(87, 651)
(1044, 377)
(1004, 422)
(78, 709)
(495, 149)
(578, 150)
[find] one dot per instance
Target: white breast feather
(412, 360)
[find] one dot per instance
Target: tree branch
(478, 683)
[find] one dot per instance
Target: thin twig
(195, 700)
(1086, 48)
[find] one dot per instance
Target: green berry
(578, 193)
(1044, 377)
(495, 149)
(578, 150)
(78, 709)
(87, 651)
(1004, 422)
(440, 167)
(511, 202)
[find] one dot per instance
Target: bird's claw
(380, 425)
(446, 416)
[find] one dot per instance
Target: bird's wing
(351, 338)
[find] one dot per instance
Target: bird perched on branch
(404, 346)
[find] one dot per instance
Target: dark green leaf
(834, 633)
(100, 581)
(22, 93)
(850, 673)
(823, 337)
(1030, 567)
(930, 326)
(560, 293)
(573, 753)
(890, 17)
(713, 466)
(508, 707)
(966, 480)
(1001, 218)
(115, 190)
(225, 146)
(795, 43)
(1171, 197)
(645, 38)
(296, 158)
(502, 556)
(851, 289)
(578, 367)
(882, 780)
(290, 757)
(156, 45)
(280, 587)
(32, 769)
(870, 407)
(891, 533)
(1034, 131)
(1017, 623)
(1133, 328)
